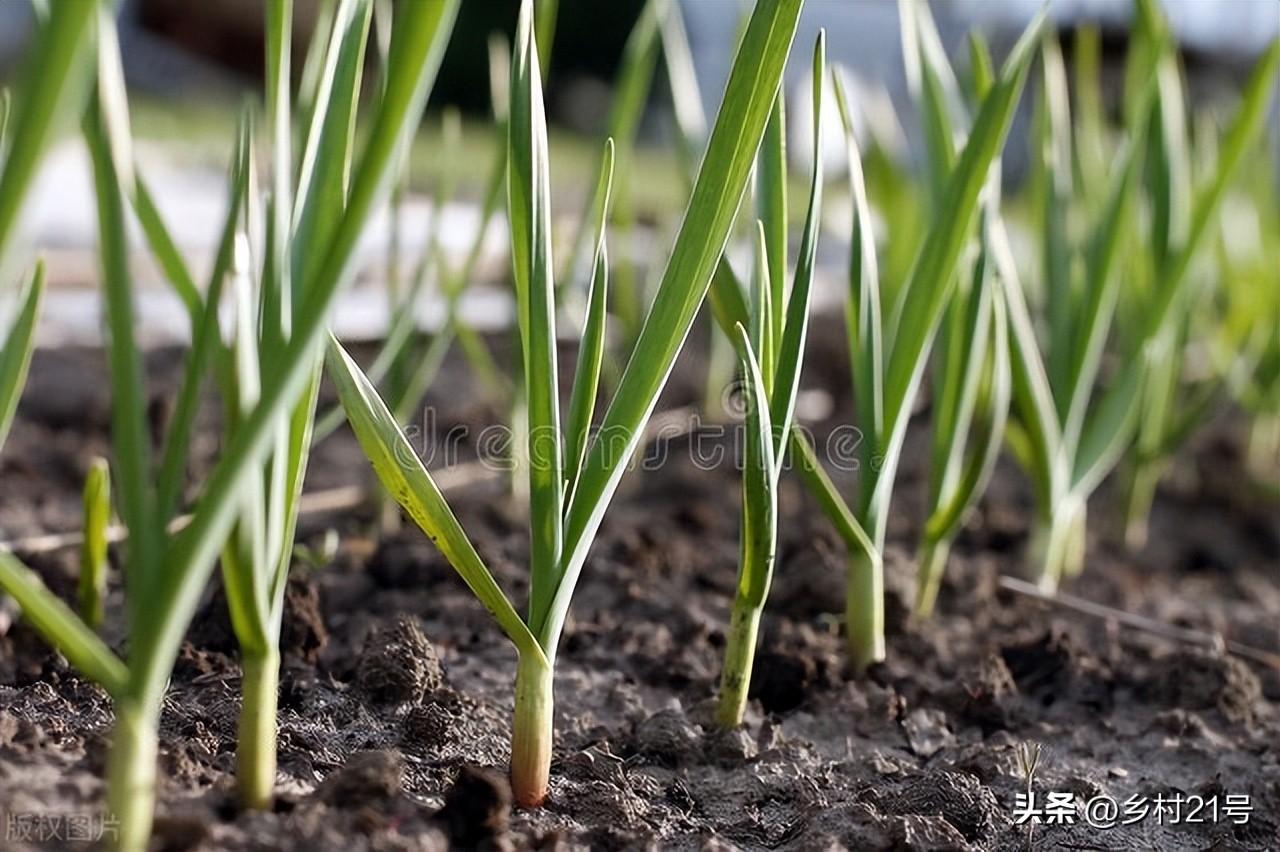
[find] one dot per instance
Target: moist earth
(396, 689)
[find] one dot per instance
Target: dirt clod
(1054, 667)
(989, 695)
(668, 737)
(476, 810)
(927, 731)
(962, 800)
(781, 680)
(920, 833)
(302, 633)
(729, 747)
(368, 778)
(179, 832)
(427, 727)
(855, 825)
(1196, 680)
(1181, 723)
(195, 662)
(9, 725)
(398, 664)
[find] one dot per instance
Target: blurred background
(190, 66)
(213, 50)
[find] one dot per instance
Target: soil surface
(396, 690)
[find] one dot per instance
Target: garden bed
(395, 696)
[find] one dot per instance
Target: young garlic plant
(970, 380)
(889, 353)
(572, 476)
(772, 351)
(166, 570)
(1067, 440)
(1062, 437)
(1251, 342)
(972, 388)
(302, 210)
(1173, 401)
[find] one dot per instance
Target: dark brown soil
(396, 692)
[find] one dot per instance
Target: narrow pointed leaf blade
(771, 209)
(61, 627)
(1169, 172)
(131, 439)
(1244, 129)
(686, 97)
(96, 506)
(244, 554)
(926, 291)
(986, 434)
(1101, 291)
(324, 171)
(760, 328)
(1108, 432)
(828, 496)
(1053, 139)
(586, 377)
(963, 366)
(728, 304)
(935, 89)
(631, 87)
(545, 30)
(1032, 395)
(759, 483)
(529, 213)
(301, 429)
(862, 306)
(981, 69)
(408, 482)
(55, 79)
(206, 343)
(790, 348)
(166, 252)
(15, 357)
(277, 268)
